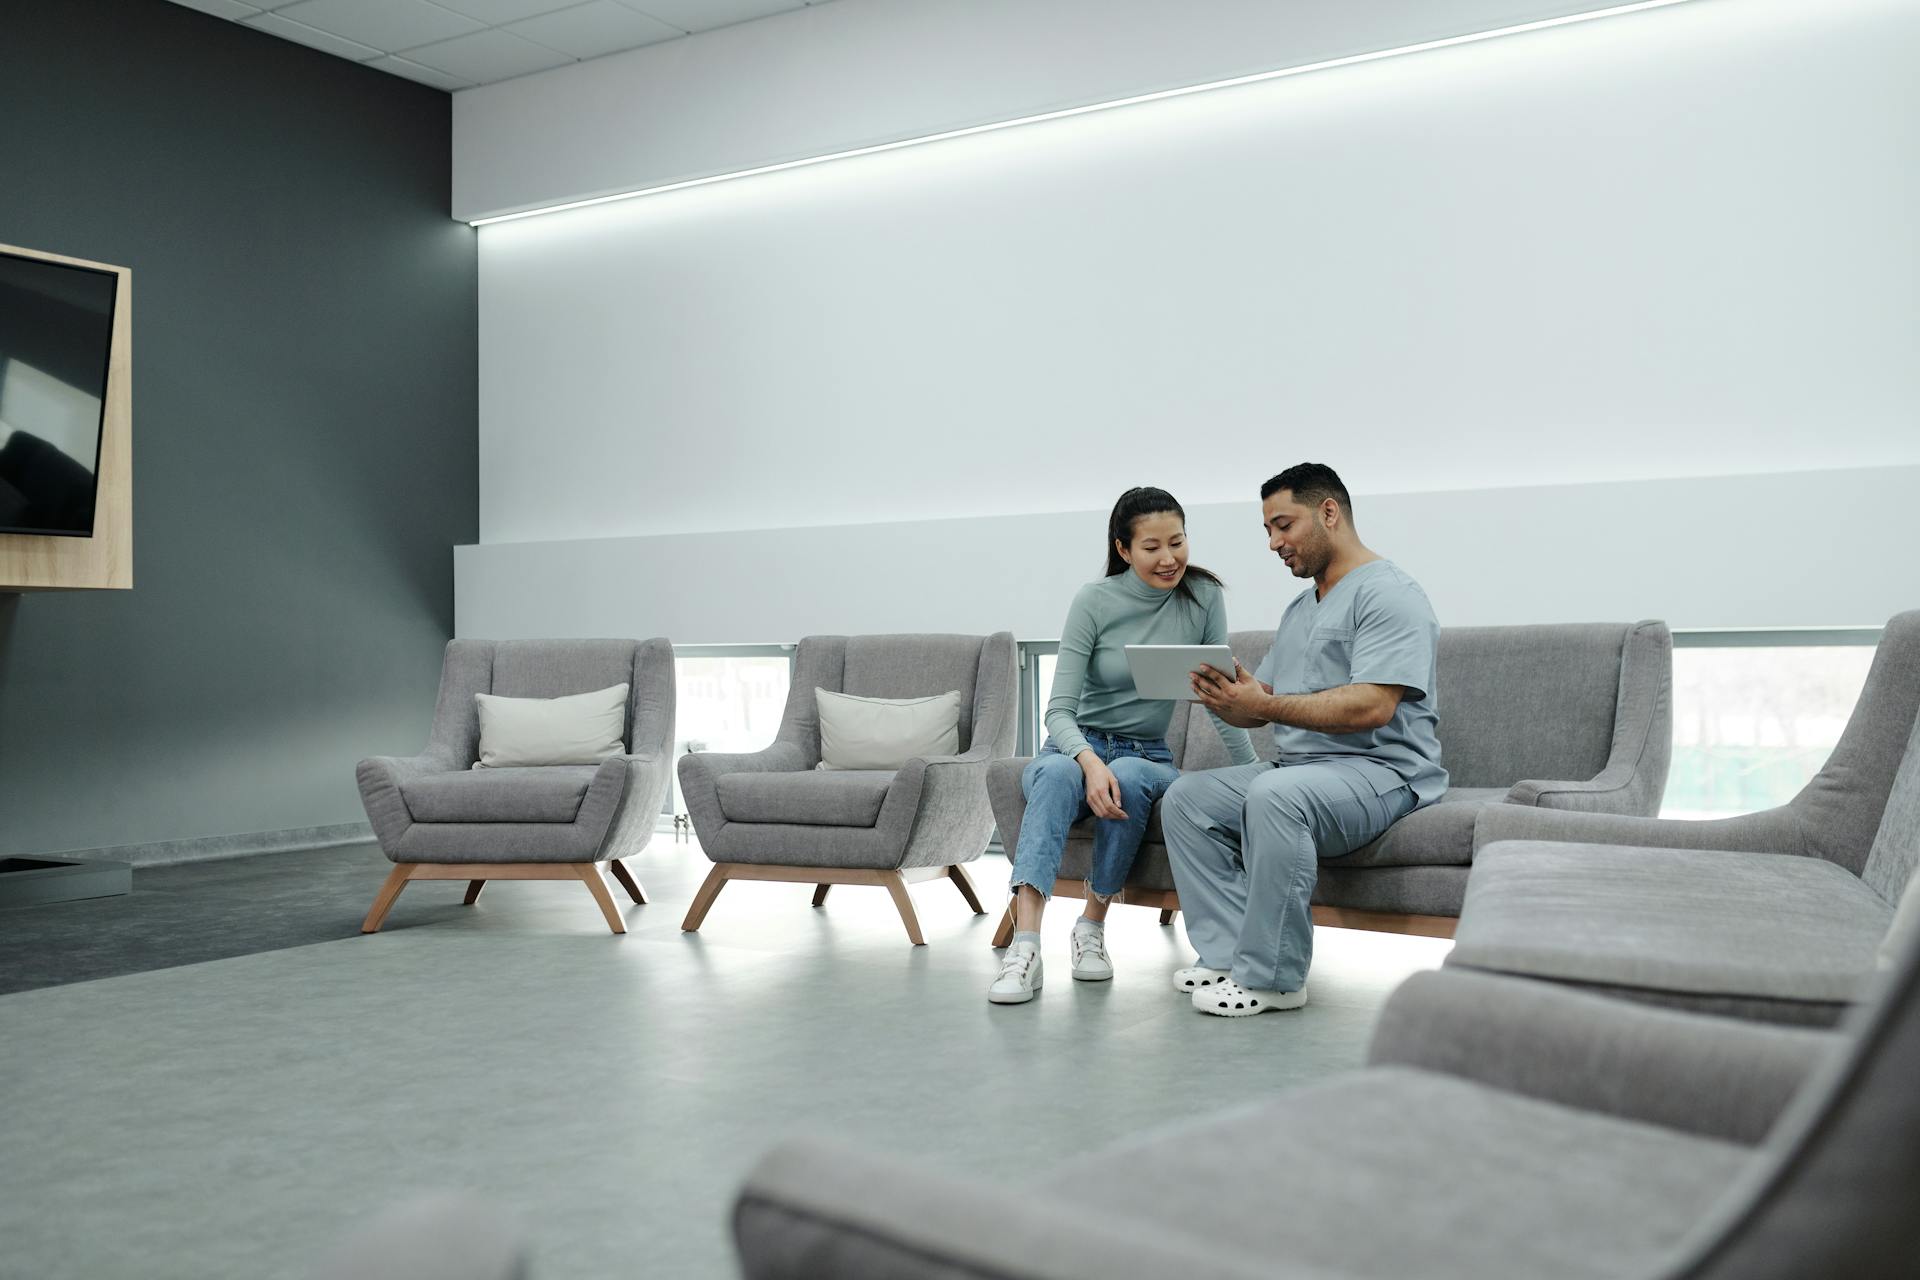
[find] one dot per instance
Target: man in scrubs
(1349, 690)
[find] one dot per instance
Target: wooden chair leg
(1166, 917)
(473, 892)
(383, 901)
(597, 886)
(703, 900)
(627, 882)
(964, 883)
(1004, 934)
(820, 894)
(897, 886)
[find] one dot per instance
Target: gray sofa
(1572, 717)
(1503, 1128)
(1772, 915)
(437, 818)
(770, 815)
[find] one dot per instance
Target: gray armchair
(1502, 1129)
(1773, 915)
(770, 815)
(437, 818)
(1574, 717)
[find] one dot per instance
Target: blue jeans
(1056, 792)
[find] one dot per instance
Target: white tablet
(1166, 670)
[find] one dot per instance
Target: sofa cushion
(859, 733)
(1479, 1183)
(580, 728)
(1440, 835)
(550, 794)
(1755, 934)
(839, 798)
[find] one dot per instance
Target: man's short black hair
(1311, 484)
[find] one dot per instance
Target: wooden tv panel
(31, 562)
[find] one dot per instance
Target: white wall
(1810, 549)
(1675, 244)
(856, 72)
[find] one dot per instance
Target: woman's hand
(1103, 789)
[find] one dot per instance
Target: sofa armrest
(701, 771)
(938, 805)
(627, 793)
(1009, 801)
(816, 1208)
(1612, 790)
(379, 778)
(1768, 831)
(1711, 1076)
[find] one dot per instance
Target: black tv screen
(56, 338)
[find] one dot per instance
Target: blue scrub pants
(1246, 844)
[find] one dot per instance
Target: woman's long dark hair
(1127, 512)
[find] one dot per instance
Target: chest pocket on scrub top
(1329, 658)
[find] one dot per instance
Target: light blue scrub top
(1374, 627)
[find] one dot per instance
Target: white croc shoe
(1090, 960)
(1228, 999)
(1020, 975)
(1195, 977)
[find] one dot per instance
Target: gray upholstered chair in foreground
(1770, 915)
(770, 815)
(437, 818)
(1550, 717)
(1504, 1130)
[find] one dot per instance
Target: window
(727, 698)
(1756, 714)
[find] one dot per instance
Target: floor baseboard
(161, 853)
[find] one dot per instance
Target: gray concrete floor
(237, 1116)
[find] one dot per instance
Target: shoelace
(1019, 960)
(1087, 942)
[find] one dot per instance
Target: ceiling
(457, 44)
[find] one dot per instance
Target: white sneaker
(1019, 976)
(1090, 961)
(1228, 999)
(1197, 976)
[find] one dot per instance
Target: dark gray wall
(304, 406)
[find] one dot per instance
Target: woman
(1106, 750)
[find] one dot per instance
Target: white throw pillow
(885, 733)
(581, 728)
(1906, 922)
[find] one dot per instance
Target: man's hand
(1103, 789)
(1237, 699)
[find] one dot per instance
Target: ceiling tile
(425, 75)
(487, 56)
(705, 15)
(385, 24)
(589, 30)
(322, 40)
(496, 12)
(222, 8)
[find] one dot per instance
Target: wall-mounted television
(56, 339)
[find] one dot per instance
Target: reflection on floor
(232, 1116)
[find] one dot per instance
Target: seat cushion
(836, 798)
(548, 794)
(1440, 835)
(1413, 1174)
(1751, 934)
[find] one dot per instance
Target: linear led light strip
(1068, 112)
